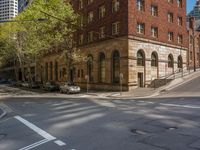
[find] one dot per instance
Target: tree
(32, 40)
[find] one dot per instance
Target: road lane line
(60, 143)
(35, 128)
(35, 144)
(183, 106)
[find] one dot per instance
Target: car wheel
(68, 92)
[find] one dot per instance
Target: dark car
(3, 81)
(69, 87)
(34, 85)
(50, 86)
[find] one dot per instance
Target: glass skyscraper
(196, 11)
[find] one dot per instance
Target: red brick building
(194, 43)
(142, 40)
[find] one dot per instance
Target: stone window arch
(140, 58)
(154, 59)
(180, 62)
(102, 67)
(170, 61)
(116, 67)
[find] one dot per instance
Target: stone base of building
(133, 75)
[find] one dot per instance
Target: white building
(8, 9)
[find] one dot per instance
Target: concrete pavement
(168, 122)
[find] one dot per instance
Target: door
(140, 80)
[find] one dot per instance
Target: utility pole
(193, 35)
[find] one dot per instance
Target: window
(180, 4)
(154, 32)
(89, 1)
(141, 28)
(180, 39)
(170, 36)
(102, 68)
(115, 6)
(180, 21)
(102, 32)
(170, 17)
(80, 4)
(140, 5)
(170, 1)
(46, 71)
(170, 61)
(90, 68)
(102, 12)
(78, 73)
(180, 62)
(154, 59)
(116, 67)
(90, 36)
(191, 55)
(90, 17)
(154, 10)
(140, 58)
(80, 39)
(51, 71)
(56, 71)
(115, 28)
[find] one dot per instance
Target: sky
(190, 4)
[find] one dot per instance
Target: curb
(3, 114)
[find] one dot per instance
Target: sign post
(121, 82)
(87, 78)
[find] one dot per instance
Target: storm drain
(139, 132)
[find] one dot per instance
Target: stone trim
(131, 37)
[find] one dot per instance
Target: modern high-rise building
(8, 9)
(196, 11)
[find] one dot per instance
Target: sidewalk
(148, 92)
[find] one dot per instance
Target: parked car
(34, 85)
(18, 83)
(69, 87)
(3, 81)
(50, 86)
(25, 84)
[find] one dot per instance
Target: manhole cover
(172, 128)
(137, 131)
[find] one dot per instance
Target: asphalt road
(168, 122)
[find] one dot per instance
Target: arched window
(56, 71)
(180, 62)
(170, 61)
(140, 58)
(116, 66)
(102, 67)
(154, 59)
(90, 68)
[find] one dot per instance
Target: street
(170, 121)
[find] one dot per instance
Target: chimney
(191, 22)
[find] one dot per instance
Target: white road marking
(60, 143)
(48, 137)
(35, 144)
(183, 106)
(35, 128)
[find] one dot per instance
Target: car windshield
(70, 83)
